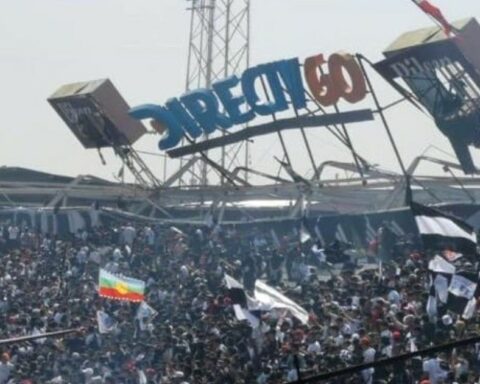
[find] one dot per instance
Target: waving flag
(304, 233)
(120, 287)
(106, 323)
(454, 290)
(436, 13)
(440, 231)
(145, 314)
(265, 299)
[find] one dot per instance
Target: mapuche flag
(120, 287)
(436, 13)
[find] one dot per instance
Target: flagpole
(429, 16)
(435, 20)
(349, 371)
(15, 340)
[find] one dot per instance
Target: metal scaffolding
(219, 46)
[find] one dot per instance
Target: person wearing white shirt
(13, 232)
(13, 236)
(292, 375)
(129, 233)
(436, 368)
(82, 255)
(368, 357)
(394, 297)
(6, 367)
(149, 236)
(314, 348)
(117, 254)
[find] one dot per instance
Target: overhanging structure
(383, 190)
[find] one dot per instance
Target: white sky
(141, 45)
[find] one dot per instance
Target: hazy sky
(141, 45)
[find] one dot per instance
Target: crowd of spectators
(357, 312)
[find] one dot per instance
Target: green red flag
(120, 287)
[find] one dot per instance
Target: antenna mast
(219, 46)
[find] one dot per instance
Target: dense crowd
(357, 312)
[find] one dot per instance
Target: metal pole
(189, 69)
(226, 69)
(274, 117)
(218, 47)
(22, 339)
(350, 146)
(164, 169)
(470, 196)
(348, 141)
(392, 360)
(247, 144)
(309, 149)
(382, 115)
(209, 69)
(333, 129)
(190, 40)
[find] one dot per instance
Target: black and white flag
(241, 301)
(451, 289)
(439, 230)
(461, 294)
(265, 299)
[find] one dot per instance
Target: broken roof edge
(21, 174)
(425, 36)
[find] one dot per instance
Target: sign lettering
(262, 90)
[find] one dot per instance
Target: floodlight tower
(219, 46)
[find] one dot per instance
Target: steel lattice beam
(219, 46)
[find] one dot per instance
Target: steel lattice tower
(219, 46)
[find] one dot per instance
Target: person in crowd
(193, 334)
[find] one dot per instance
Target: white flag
(440, 265)
(441, 287)
(470, 309)
(462, 287)
(145, 314)
(243, 314)
(265, 299)
(142, 378)
(304, 234)
(106, 323)
(269, 296)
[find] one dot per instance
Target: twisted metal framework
(219, 46)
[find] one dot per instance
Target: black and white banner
(266, 299)
(440, 231)
(451, 290)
